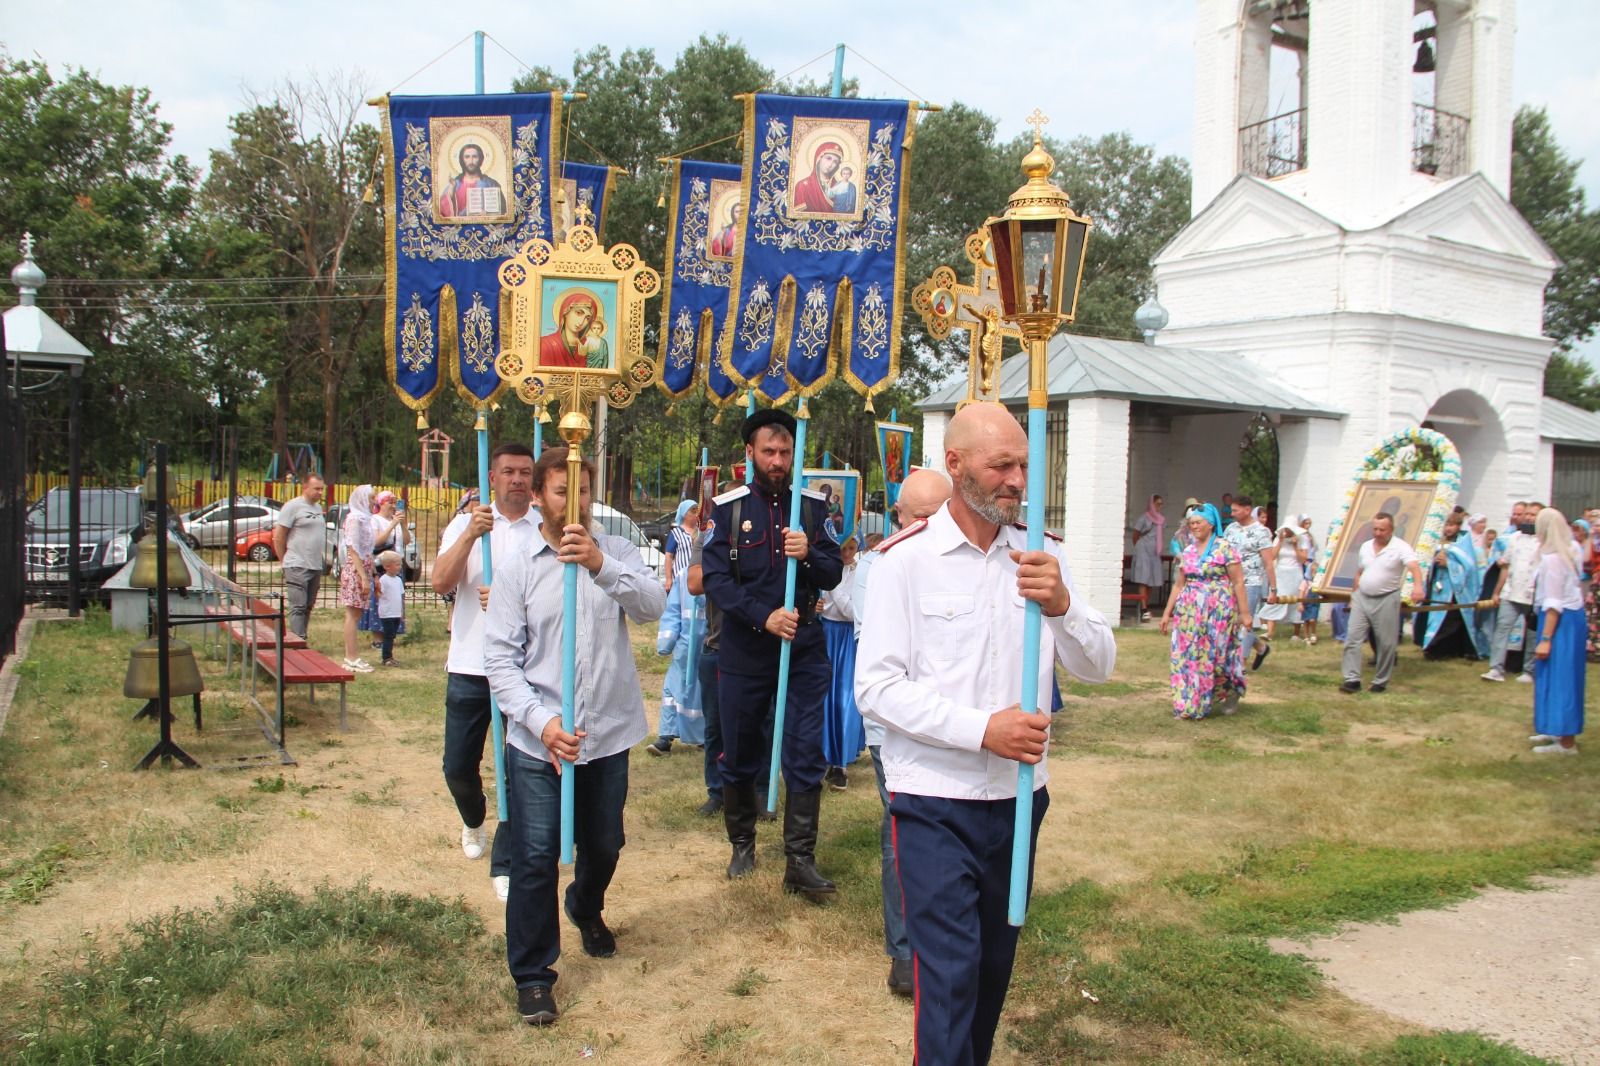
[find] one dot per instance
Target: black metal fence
(13, 511)
(1274, 146)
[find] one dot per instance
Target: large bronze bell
(144, 565)
(144, 670)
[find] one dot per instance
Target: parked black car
(657, 528)
(109, 521)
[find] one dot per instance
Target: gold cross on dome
(1038, 120)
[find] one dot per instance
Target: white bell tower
(1352, 234)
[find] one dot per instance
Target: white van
(620, 525)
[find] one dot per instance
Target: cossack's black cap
(772, 416)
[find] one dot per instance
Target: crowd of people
(901, 647)
(1524, 594)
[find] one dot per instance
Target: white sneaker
(1494, 673)
(1555, 748)
(1542, 738)
(502, 886)
(360, 666)
(473, 840)
(1525, 677)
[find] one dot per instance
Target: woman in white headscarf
(355, 573)
(1562, 632)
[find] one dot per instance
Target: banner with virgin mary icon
(469, 182)
(818, 275)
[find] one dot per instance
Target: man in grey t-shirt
(298, 538)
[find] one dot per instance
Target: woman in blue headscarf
(682, 717)
(1206, 615)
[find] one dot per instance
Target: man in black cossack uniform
(744, 565)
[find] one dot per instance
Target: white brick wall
(1097, 490)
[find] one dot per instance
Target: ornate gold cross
(1038, 120)
(974, 308)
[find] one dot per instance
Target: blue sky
(1110, 66)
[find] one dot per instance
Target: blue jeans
(533, 924)
(1255, 596)
(466, 724)
(895, 943)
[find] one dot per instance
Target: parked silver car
(207, 527)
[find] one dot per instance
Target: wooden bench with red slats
(304, 666)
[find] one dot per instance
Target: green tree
(1544, 187)
(84, 167)
(295, 173)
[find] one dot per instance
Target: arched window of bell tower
(1273, 70)
(1441, 87)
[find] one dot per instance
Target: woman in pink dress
(355, 573)
(1206, 614)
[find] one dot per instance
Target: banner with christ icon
(468, 183)
(703, 217)
(585, 198)
(817, 276)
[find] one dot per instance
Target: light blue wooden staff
(574, 427)
(488, 578)
(801, 417)
(1022, 837)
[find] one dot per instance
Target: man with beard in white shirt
(938, 668)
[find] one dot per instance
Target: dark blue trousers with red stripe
(954, 859)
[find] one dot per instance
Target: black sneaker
(836, 779)
(1262, 651)
(1350, 686)
(597, 939)
(662, 746)
(900, 979)
(1376, 687)
(537, 1005)
(712, 805)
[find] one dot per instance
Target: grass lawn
(323, 912)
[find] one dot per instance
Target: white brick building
(1353, 243)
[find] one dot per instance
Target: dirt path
(1523, 967)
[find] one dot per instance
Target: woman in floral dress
(1206, 614)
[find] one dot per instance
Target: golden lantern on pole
(1039, 245)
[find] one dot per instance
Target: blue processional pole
(801, 417)
(1022, 836)
(496, 723)
(488, 578)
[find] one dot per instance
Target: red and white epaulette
(905, 534)
(1057, 537)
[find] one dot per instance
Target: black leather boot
(800, 846)
(739, 815)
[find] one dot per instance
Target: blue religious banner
(818, 276)
(894, 452)
(703, 219)
(469, 182)
(585, 198)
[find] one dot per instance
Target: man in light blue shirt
(522, 658)
(921, 494)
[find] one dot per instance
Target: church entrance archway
(1474, 428)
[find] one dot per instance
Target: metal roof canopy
(1562, 423)
(1189, 378)
(34, 341)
